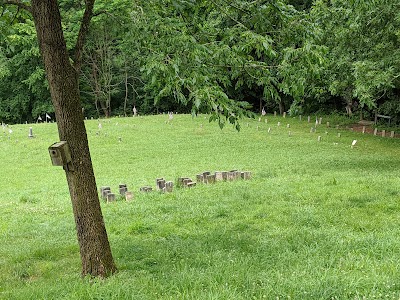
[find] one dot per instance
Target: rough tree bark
(62, 76)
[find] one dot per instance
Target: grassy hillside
(318, 220)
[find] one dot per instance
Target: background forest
(220, 57)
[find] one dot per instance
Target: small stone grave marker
(218, 176)
(169, 185)
(246, 175)
(300, 117)
(104, 190)
(128, 196)
(383, 133)
(319, 138)
(160, 183)
(146, 189)
(274, 113)
(191, 184)
(279, 123)
(339, 135)
(288, 125)
(210, 179)
(392, 134)
(269, 129)
(200, 178)
(327, 124)
(123, 189)
(284, 114)
(320, 121)
(110, 197)
(308, 119)
(31, 133)
(375, 131)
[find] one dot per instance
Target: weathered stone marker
(327, 124)
(210, 179)
(104, 191)
(339, 135)
(246, 175)
(218, 176)
(383, 133)
(319, 138)
(128, 196)
(122, 189)
(375, 131)
(169, 186)
(308, 119)
(110, 197)
(392, 134)
(160, 183)
(284, 114)
(200, 178)
(146, 189)
(31, 133)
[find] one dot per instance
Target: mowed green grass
(318, 220)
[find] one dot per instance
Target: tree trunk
(95, 250)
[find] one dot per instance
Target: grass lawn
(318, 220)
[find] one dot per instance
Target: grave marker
(30, 133)
(146, 189)
(246, 175)
(363, 129)
(210, 179)
(383, 133)
(200, 178)
(218, 176)
(392, 134)
(375, 131)
(110, 197)
(122, 189)
(128, 196)
(308, 119)
(284, 114)
(169, 185)
(104, 190)
(160, 183)
(319, 138)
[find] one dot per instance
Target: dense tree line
(221, 57)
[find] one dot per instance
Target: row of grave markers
(167, 186)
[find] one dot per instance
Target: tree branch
(83, 31)
(17, 3)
